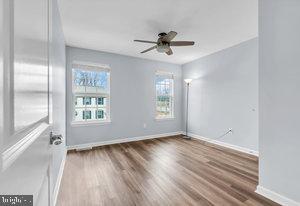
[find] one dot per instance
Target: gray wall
(132, 98)
(58, 67)
(224, 94)
(279, 97)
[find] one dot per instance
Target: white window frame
(91, 67)
(172, 96)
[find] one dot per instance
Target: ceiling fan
(164, 43)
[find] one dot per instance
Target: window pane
(163, 105)
(158, 89)
(90, 81)
(102, 80)
(97, 81)
(79, 77)
(167, 90)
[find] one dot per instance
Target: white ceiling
(112, 25)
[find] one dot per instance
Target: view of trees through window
(91, 93)
(91, 78)
(164, 95)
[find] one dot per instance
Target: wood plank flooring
(165, 171)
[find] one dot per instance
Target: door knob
(55, 139)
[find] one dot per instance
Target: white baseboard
(59, 177)
(276, 197)
(231, 146)
(117, 141)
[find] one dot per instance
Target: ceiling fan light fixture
(188, 81)
(163, 48)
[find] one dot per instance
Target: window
(164, 95)
(86, 114)
(91, 93)
(100, 114)
(100, 101)
(87, 100)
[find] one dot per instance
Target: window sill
(90, 123)
(165, 119)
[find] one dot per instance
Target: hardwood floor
(165, 171)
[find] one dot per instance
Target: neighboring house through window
(164, 84)
(91, 92)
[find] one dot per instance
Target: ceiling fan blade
(145, 41)
(170, 52)
(151, 48)
(182, 43)
(171, 35)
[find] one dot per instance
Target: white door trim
(59, 178)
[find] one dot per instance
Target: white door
(26, 153)
(57, 69)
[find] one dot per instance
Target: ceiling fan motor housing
(162, 34)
